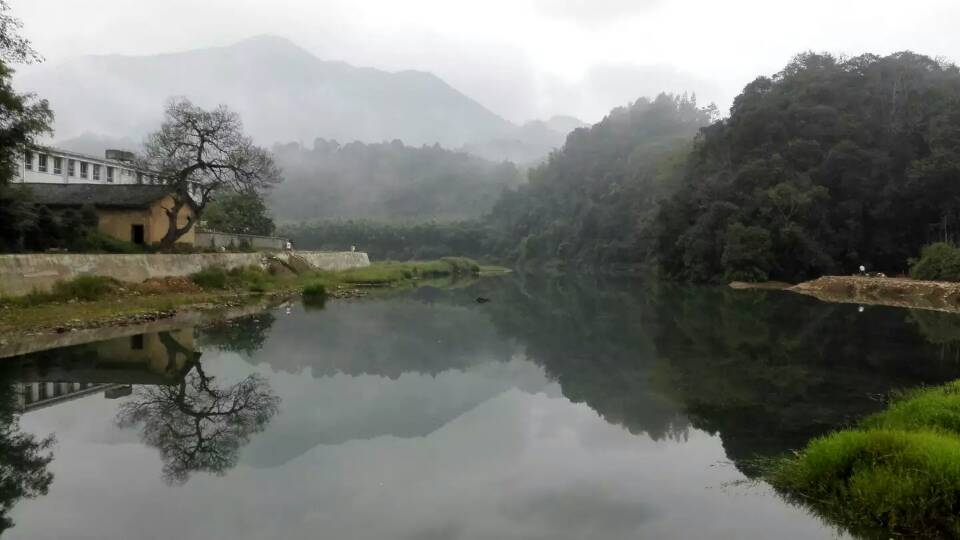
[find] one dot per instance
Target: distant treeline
(386, 182)
(420, 241)
(829, 164)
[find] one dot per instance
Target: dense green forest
(594, 201)
(827, 165)
(386, 182)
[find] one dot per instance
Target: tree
(23, 457)
(196, 425)
(242, 213)
(842, 162)
(201, 154)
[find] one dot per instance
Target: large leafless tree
(199, 153)
(196, 424)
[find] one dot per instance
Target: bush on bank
(939, 262)
(898, 471)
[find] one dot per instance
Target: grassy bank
(897, 472)
(95, 299)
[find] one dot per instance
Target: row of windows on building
(54, 164)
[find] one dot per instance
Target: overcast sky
(521, 58)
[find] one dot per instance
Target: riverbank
(96, 302)
(882, 291)
(896, 473)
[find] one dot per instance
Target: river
(561, 409)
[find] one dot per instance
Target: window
(71, 167)
(57, 165)
(96, 171)
(110, 174)
(42, 162)
(83, 169)
(28, 160)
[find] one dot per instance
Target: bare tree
(196, 425)
(199, 153)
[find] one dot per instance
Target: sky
(523, 59)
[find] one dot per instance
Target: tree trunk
(173, 233)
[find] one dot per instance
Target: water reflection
(196, 424)
(24, 458)
(563, 408)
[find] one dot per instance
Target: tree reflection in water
(23, 458)
(197, 425)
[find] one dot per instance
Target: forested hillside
(594, 201)
(827, 165)
(386, 182)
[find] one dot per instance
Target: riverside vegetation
(898, 470)
(95, 300)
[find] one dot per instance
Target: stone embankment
(896, 292)
(21, 274)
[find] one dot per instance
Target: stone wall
(20, 274)
(212, 239)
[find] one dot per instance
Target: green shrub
(87, 288)
(940, 261)
(213, 277)
(94, 241)
(315, 290)
(315, 295)
(252, 278)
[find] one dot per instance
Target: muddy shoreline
(77, 331)
(907, 293)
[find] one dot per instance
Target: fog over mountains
(283, 94)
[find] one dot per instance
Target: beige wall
(118, 223)
(154, 356)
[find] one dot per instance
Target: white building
(47, 165)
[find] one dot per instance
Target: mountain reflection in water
(564, 408)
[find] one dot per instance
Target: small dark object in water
(482, 300)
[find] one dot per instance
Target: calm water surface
(562, 409)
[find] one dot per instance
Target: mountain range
(283, 93)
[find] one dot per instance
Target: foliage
(201, 153)
(939, 261)
(213, 277)
(386, 182)
(250, 278)
(593, 202)
(315, 290)
(899, 470)
(87, 288)
(814, 166)
(23, 457)
(240, 213)
(23, 117)
(387, 273)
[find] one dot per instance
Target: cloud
(605, 86)
(594, 11)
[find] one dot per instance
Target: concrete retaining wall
(211, 239)
(20, 274)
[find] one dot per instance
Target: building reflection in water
(110, 367)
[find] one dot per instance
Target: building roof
(100, 195)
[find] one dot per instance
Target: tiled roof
(101, 195)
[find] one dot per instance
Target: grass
(83, 288)
(394, 272)
(898, 471)
(97, 298)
